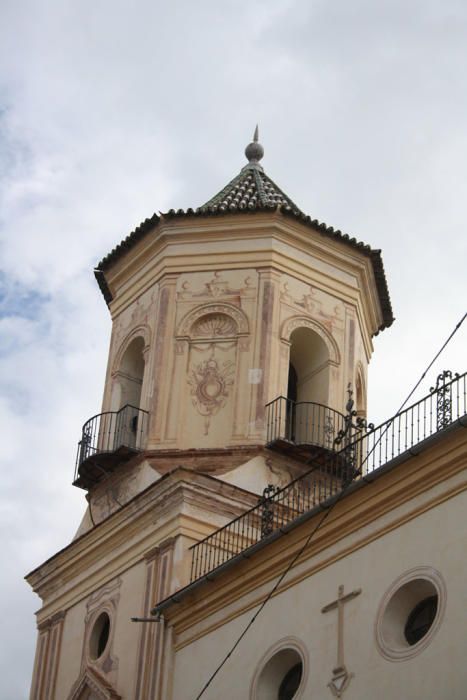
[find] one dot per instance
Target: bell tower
(237, 328)
(233, 324)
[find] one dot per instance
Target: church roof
(249, 192)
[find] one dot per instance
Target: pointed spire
(254, 152)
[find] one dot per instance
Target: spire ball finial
(254, 151)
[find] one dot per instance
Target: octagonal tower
(235, 326)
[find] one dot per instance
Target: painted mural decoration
(321, 306)
(210, 382)
(225, 284)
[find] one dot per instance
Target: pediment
(92, 686)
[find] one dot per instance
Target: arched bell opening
(127, 398)
(307, 387)
(131, 373)
(309, 360)
(112, 437)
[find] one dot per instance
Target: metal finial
(254, 151)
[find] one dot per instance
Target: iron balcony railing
(446, 403)
(302, 422)
(275, 509)
(107, 432)
(356, 451)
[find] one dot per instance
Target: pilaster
(47, 658)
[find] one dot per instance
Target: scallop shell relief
(214, 325)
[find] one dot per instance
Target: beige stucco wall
(282, 279)
(435, 538)
(127, 589)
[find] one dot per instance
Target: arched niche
(210, 344)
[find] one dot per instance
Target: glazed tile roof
(249, 192)
(252, 189)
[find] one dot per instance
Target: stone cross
(341, 677)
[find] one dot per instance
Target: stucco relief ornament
(285, 293)
(217, 286)
(309, 301)
(210, 388)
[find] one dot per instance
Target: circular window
(281, 673)
(99, 636)
(410, 613)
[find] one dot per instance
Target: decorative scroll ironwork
(443, 390)
(267, 509)
(350, 433)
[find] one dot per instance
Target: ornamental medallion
(210, 387)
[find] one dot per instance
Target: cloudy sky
(110, 111)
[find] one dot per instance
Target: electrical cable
(411, 393)
(456, 328)
(317, 526)
(270, 594)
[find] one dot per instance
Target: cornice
(154, 257)
(128, 534)
(206, 218)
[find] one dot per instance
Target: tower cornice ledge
(174, 243)
(285, 244)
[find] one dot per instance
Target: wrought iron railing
(109, 431)
(302, 422)
(446, 402)
(275, 509)
(357, 450)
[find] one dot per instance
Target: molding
(393, 652)
(151, 647)
(47, 657)
(358, 510)
(141, 331)
(106, 600)
(301, 321)
(74, 573)
(304, 573)
(238, 316)
(91, 680)
(282, 644)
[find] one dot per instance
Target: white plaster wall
(436, 538)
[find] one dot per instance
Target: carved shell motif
(214, 326)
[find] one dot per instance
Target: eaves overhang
(149, 226)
